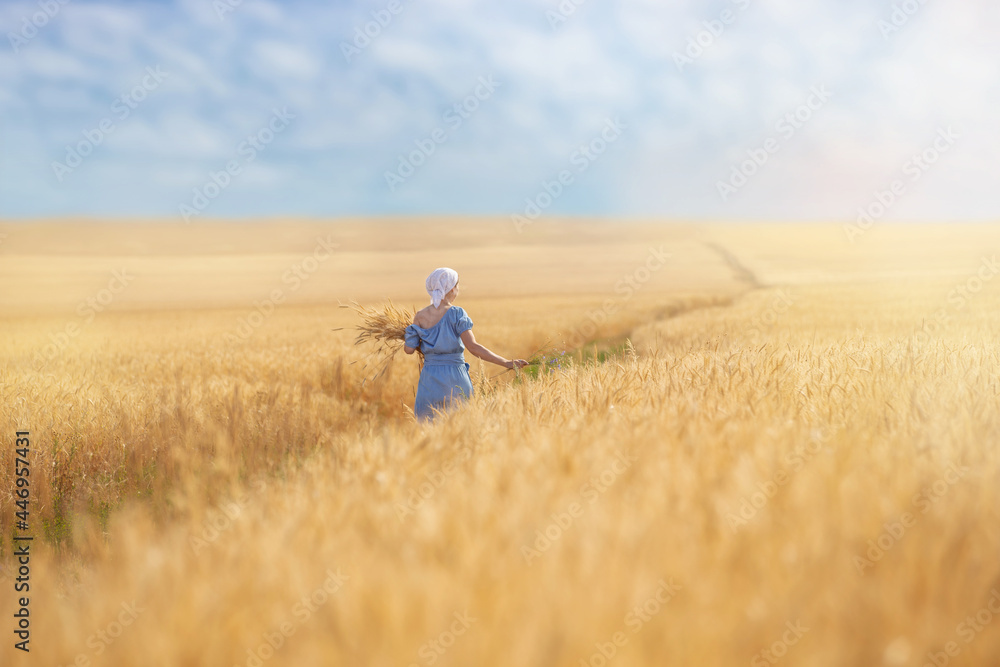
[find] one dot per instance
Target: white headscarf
(439, 283)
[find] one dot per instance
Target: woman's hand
(516, 363)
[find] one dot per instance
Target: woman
(439, 331)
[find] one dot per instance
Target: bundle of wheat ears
(385, 328)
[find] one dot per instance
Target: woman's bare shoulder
(420, 317)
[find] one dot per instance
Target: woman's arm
(484, 353)
(408, 335)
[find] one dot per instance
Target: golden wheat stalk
(384, 327)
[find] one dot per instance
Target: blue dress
(445, 375)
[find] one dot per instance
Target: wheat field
(749, 444)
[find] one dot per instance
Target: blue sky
(191, 88)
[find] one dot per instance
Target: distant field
(749, 445)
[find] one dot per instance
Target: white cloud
(269, 13)
(60, 99)
(190, 72)
(280, 60)
(42, 61)
(100, 32)
(173, 136)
